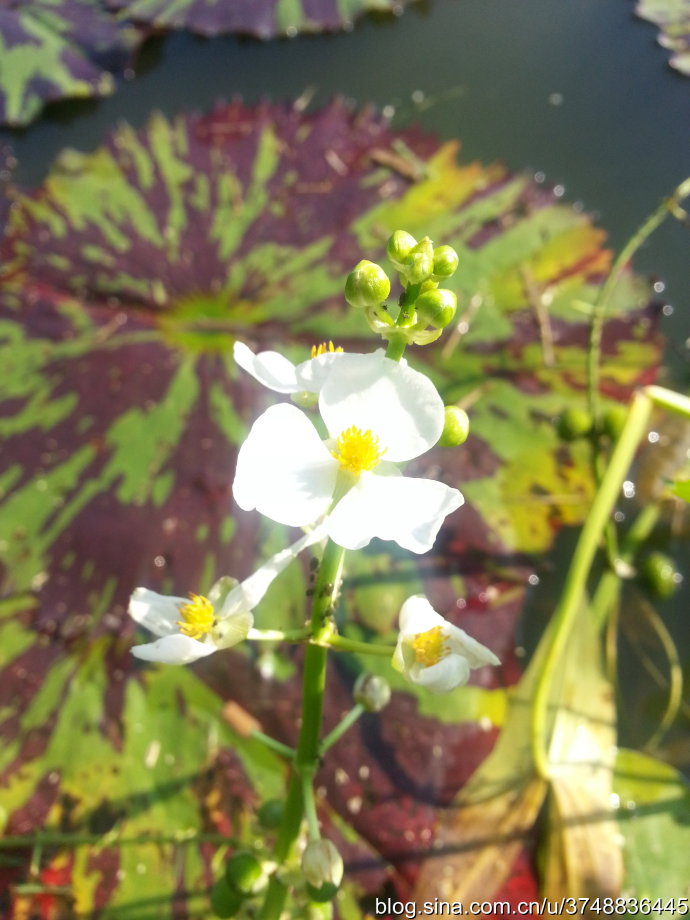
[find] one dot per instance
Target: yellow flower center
(323, 349)
(198, 617)
(429, 647)
(357, 450)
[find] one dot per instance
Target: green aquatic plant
(126, 279)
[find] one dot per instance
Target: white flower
(434, 653)
(193, 627)
(377, 413)
(277, 373)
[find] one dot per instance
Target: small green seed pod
(660, 576)
(399, 245)
(573, 424)
(244, 874)
(613, 420)
(224, 901)
(445, 262)
(456, 427)
(367, 285)
(419, 264)
(436, 307)
(372, 692)
(270, 814)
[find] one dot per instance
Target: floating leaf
(673, 18)
(261, 18)
(124, 280)
(58, 49)
(655, 822)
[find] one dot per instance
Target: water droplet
(418, 97)
(618, 517)
(559, 190)
(539, 177)
(629, 489)
(533, 579)
(461, 603)
(659, 286)
(388, 111)
(159, 562)
(556, 99)
(667, 309)
(354, 805)
(653, 437)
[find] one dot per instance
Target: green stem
(343, 644)
(345, 723)
(668, 206)
(278, 635)
(398, 344)
(576, 579)
(307, 753)
(280, 748)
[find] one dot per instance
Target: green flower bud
(372, 692)
(322, 866)
(367, 285)
(399, 246)
(437, 307)
(573, 424)
(659, 576)
(224, 901)
(456, 427)
(270, 814)
(445, 262)
(419, 264)
(244, 874)
(613, 420)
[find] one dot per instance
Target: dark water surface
(577, 90)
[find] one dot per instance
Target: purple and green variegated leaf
(124, 280)
(261, 18)
(58, 49)
(673, 19)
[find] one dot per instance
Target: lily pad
(261, 18)
(58, 49)
(673, 18)
(124, 280)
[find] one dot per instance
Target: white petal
(177, 649)
(232, 629)
(418, 616)
(408, 511)
(157, 612)
(398, 404)
(449, 673)
(312, 374)
(283, 468)
(268, 367)
(476, 654)
(247, 594)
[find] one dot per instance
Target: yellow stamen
(357, 450)
(324, 348)
(198, 617)
(429, 647)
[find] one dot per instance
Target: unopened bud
(445, 262)
(372, 692)
(322, 866)
(573, 424)
(245, 874)
(399, 246)
(225, 902)
(456, 427)
(437, 307)
(419, 264)
(367, 285)
(270, 814)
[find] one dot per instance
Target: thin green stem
(576, 579)
(307, 753)
(280, 748)
(345, 723)
(310, 805)
(279, 635)
(667, 207)
(343, 644)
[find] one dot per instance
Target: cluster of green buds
(424, 308)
